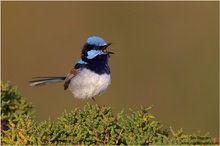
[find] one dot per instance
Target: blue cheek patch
(93, 53)
(82, 62)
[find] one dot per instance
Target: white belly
(87, 84)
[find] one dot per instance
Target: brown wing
(72, 73)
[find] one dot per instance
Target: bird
(91, 74)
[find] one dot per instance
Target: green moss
(89, 126)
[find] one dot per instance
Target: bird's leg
(96, 102)
(77, 103)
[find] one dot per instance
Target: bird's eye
(96, 48)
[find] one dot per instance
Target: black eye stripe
(96, 48)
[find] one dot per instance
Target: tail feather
(46, 80)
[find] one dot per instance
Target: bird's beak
(105, 49)
(108, 44)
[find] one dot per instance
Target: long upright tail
(46, 80)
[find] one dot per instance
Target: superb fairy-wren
(91, 74)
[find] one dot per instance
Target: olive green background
(166, 55)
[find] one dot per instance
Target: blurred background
(166, 55)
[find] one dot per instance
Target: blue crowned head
(96, 41)
(95, 47)
(95, 55)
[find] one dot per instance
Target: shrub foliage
(90, 126)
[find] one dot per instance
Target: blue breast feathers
(99, 64)
(96, 41)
